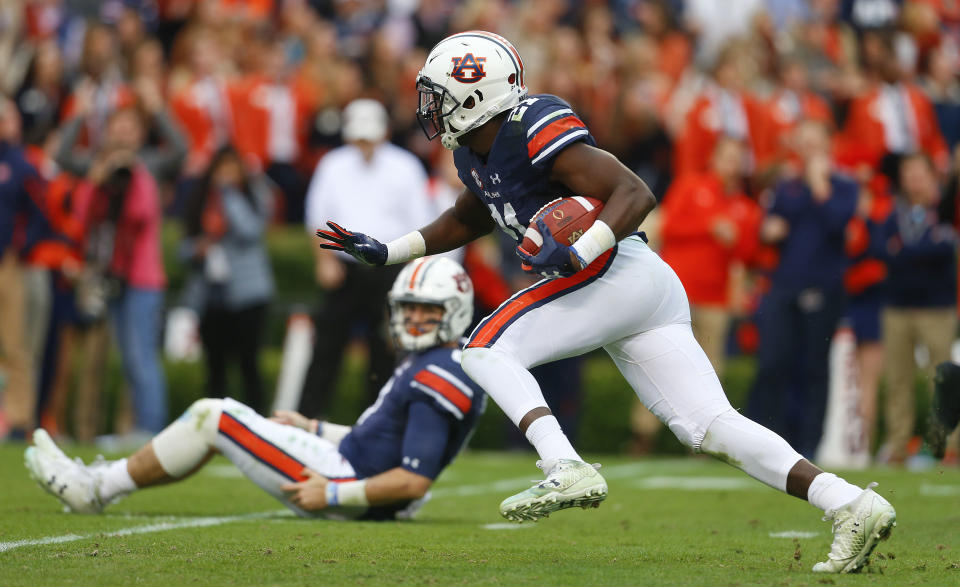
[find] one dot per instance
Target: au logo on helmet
(461, 65)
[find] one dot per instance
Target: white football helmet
(468, 79)
(432, 280)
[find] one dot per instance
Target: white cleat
(857, 529)
(69, 481)
(568, 484)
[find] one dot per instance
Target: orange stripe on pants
(261, 449)
(512, 308)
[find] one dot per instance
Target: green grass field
(666, 522)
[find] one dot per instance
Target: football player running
(514, 153)
(380, 468)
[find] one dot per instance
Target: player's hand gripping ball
(553, 230)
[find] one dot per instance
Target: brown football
(567, 219)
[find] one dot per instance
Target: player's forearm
(392, 486)
(452, 230)
(396, 485)
(628, 206)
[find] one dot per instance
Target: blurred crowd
(805, 153)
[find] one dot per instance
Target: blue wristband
(333, 494)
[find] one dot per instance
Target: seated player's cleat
(568, 484)
(69, 481)
(857, 528)
(945, 407)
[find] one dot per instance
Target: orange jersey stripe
(444, 388)
(261, 449)
(519, 304)
(550, 132)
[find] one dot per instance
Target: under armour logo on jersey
(468, 63)
(495, 178)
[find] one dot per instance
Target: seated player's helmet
(468, 79)
(432, 280)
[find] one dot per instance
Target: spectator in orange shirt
(723, 109)
(892, 118)
(791, 102)
(202, 106)
(271, 112)
(709, 224)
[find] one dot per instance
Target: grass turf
(666, 522)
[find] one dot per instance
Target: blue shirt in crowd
(923, 260)
(18, 182)
(812, 254)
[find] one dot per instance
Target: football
(567, 219)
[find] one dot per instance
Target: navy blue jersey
(513, 181)
(422, 418)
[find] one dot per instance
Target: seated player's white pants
(269, 454)
(631, 304)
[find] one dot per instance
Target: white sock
(115, 481)
(551, 443)
(829, 492)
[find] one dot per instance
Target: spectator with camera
(119, 205)
(230, 282)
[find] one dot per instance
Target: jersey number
(521, 109)
(508, 222)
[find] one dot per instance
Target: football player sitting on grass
(380, 468)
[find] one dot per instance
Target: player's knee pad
(750, 447)
(183, 445)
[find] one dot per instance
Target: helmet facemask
(407, 336)
(431, 114)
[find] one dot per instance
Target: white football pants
(631, 304)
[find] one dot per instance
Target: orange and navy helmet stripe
(493, 326)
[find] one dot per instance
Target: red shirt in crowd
(891, 119)
(690, 209)
(783, 111)
(136, 246)
(203, 110)
(270, 119)
(716, 113)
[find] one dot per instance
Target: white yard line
(146, 529)
(939, 490)
(697, 483)
(506, 526)
(794, 534)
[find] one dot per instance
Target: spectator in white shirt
(377, 188)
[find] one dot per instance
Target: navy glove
(552, 260)
(360, 246)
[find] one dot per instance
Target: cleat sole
(542, 507)
(881, 532)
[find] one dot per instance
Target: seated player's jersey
(513, 181)
(422, 418)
